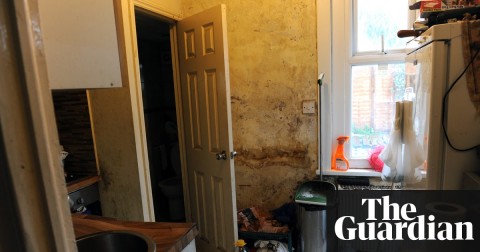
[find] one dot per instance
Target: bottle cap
(240, 243)
(342, 139)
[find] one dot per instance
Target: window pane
(377, 18)
(375, 88)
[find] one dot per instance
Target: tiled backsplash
(75, 131)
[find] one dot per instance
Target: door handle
(221, 155)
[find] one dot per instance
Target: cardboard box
(439, 5)
(431, 5)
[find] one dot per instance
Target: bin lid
(314, 192)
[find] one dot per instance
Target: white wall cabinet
(80, 43)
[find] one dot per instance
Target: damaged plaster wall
(119, 189)
(273, 68)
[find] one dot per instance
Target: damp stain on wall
(274, 187)
(273, 156)
(272, 48)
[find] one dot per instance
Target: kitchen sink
(118, 241)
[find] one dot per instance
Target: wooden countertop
(169, 237)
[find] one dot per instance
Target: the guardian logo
(395, 221)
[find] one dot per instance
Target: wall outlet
(308, 107)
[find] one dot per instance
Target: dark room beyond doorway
(158, 93)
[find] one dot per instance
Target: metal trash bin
(311, 198)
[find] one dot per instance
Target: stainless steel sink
(118, 241)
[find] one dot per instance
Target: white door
(205, 91)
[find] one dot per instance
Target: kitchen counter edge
(168, 236)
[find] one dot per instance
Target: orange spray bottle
(339, 161)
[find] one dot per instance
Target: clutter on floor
(257, 219)
(270, 246)
(268, 230)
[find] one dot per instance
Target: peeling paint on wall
(273, 68)
(270, 188)
(273, 156)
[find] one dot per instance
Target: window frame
(335, 33)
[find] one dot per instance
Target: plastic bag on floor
(271, 246)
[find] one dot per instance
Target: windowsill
(358, 172)
(352, 172)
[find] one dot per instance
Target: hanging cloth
(403, 156)
(413, 154)
(391, 154)
(470, 44)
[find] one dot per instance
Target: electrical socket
(308, 107)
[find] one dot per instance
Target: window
(367, 73)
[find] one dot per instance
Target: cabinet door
(80, 43)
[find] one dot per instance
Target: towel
(471, 44)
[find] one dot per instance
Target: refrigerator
(442, 106)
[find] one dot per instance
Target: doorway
(158, 94)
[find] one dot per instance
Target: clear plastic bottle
(240, 246)
(409, 95)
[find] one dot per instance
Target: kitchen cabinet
(80, 43)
